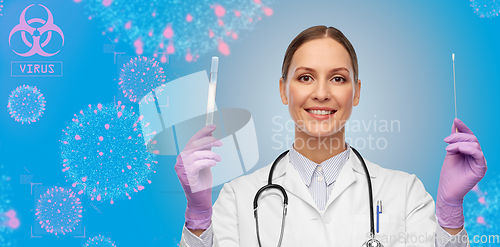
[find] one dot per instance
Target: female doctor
(324, 179)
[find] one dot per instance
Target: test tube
(212, 85)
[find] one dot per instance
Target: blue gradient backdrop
(404, 50)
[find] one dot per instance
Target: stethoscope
(372, 242)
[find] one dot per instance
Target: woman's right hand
(193, 170)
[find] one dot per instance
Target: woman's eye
(301, 78)
(339, 79)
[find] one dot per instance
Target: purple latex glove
(193, 169)
(464, 166)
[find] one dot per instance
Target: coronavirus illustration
(58, 210)
(99, 241)
(26, 104)
(104, 154)
(485, 8)
(140, 76)
(186, 29)
(481, 209)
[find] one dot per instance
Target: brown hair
(318, 32)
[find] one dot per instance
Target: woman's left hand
(464, 166)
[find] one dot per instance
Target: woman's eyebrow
(331, 71)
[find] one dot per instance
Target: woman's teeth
(321, 112)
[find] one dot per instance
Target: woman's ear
(284, 99)
(357, 93)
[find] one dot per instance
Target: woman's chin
(317, 133)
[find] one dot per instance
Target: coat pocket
(391, 229)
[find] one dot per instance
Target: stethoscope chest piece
(372, 243)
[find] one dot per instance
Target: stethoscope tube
(273, 186)
(370, 195)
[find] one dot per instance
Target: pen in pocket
(379, 211)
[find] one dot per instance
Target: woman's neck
(319, 149)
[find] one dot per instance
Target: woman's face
(320, 76)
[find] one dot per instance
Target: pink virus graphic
(106, 3)
(140, 76)
(58, 210)
(26, 104)
(9, 221)
(486, 8)
(104, 154)
(481, 208)
(185, 29)
(99, 241)
(1, 7)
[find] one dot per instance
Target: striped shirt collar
(331, 167)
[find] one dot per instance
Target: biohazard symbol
(36, 33)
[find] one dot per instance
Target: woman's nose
(321, 91)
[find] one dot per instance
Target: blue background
(404, 50)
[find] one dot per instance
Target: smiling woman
(325, 185)
(320, 91)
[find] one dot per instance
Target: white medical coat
(408, 210)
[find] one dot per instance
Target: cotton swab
(454, 87)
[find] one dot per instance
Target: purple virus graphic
(486, 8)
(104, 155)
(8, 218)
(58, 210)
(481, 209)
(99, 241)
(185, 29)
(26, 104)
(140, 76)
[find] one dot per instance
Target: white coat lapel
(347, 176)
(293, 184)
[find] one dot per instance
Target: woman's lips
(321, 117)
